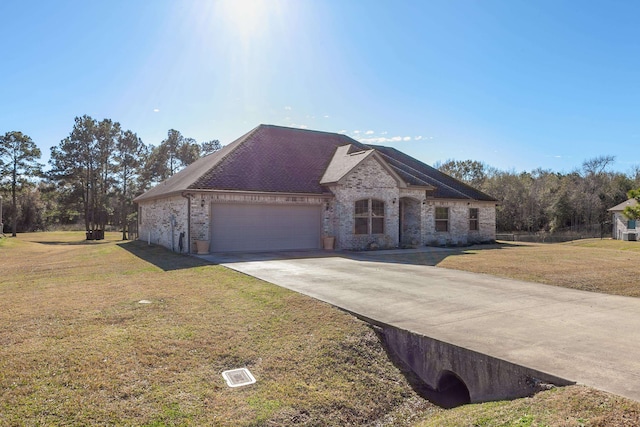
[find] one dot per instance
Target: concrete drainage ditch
(457, 376)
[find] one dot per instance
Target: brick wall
(459, 232)
(369, 180)
(155, 215)
(161, 221)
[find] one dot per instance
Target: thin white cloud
(382, 140)
(326, 116)
(356, 132)
(288, 108)
(373, 140)
(370, 139)
(342, 131)
(156, 110)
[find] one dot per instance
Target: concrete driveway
(589, 338)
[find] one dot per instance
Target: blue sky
(516, 84)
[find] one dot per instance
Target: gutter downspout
(188, 239)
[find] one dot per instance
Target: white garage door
(251, 228)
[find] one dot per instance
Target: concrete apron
(501, 338)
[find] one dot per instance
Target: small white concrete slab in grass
(144, 301)
(238, 377)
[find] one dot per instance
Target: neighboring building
(279, 188)
(623, 227)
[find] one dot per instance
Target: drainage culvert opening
(454, 391)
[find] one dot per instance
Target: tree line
(93, 175)
(543, 200)
(96, 171)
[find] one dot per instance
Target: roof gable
(621, 206)
(343, 162)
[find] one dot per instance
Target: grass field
(606, 266)
(77, 347)
(598, 265)
(574, 406)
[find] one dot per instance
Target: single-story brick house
(623, 227)
(279, 188)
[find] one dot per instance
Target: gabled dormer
(347, 158)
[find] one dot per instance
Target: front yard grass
(598, 265)
(574, 406)
(77, 347)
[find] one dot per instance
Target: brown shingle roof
(185, 178)
(287, 160)
(414, 172)
(276, 159)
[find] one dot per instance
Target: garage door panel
(239, 227)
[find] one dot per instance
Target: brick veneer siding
(459, 233)
(369, 180)
(154, 221)
(155, 215)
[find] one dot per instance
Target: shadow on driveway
(168, 261)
